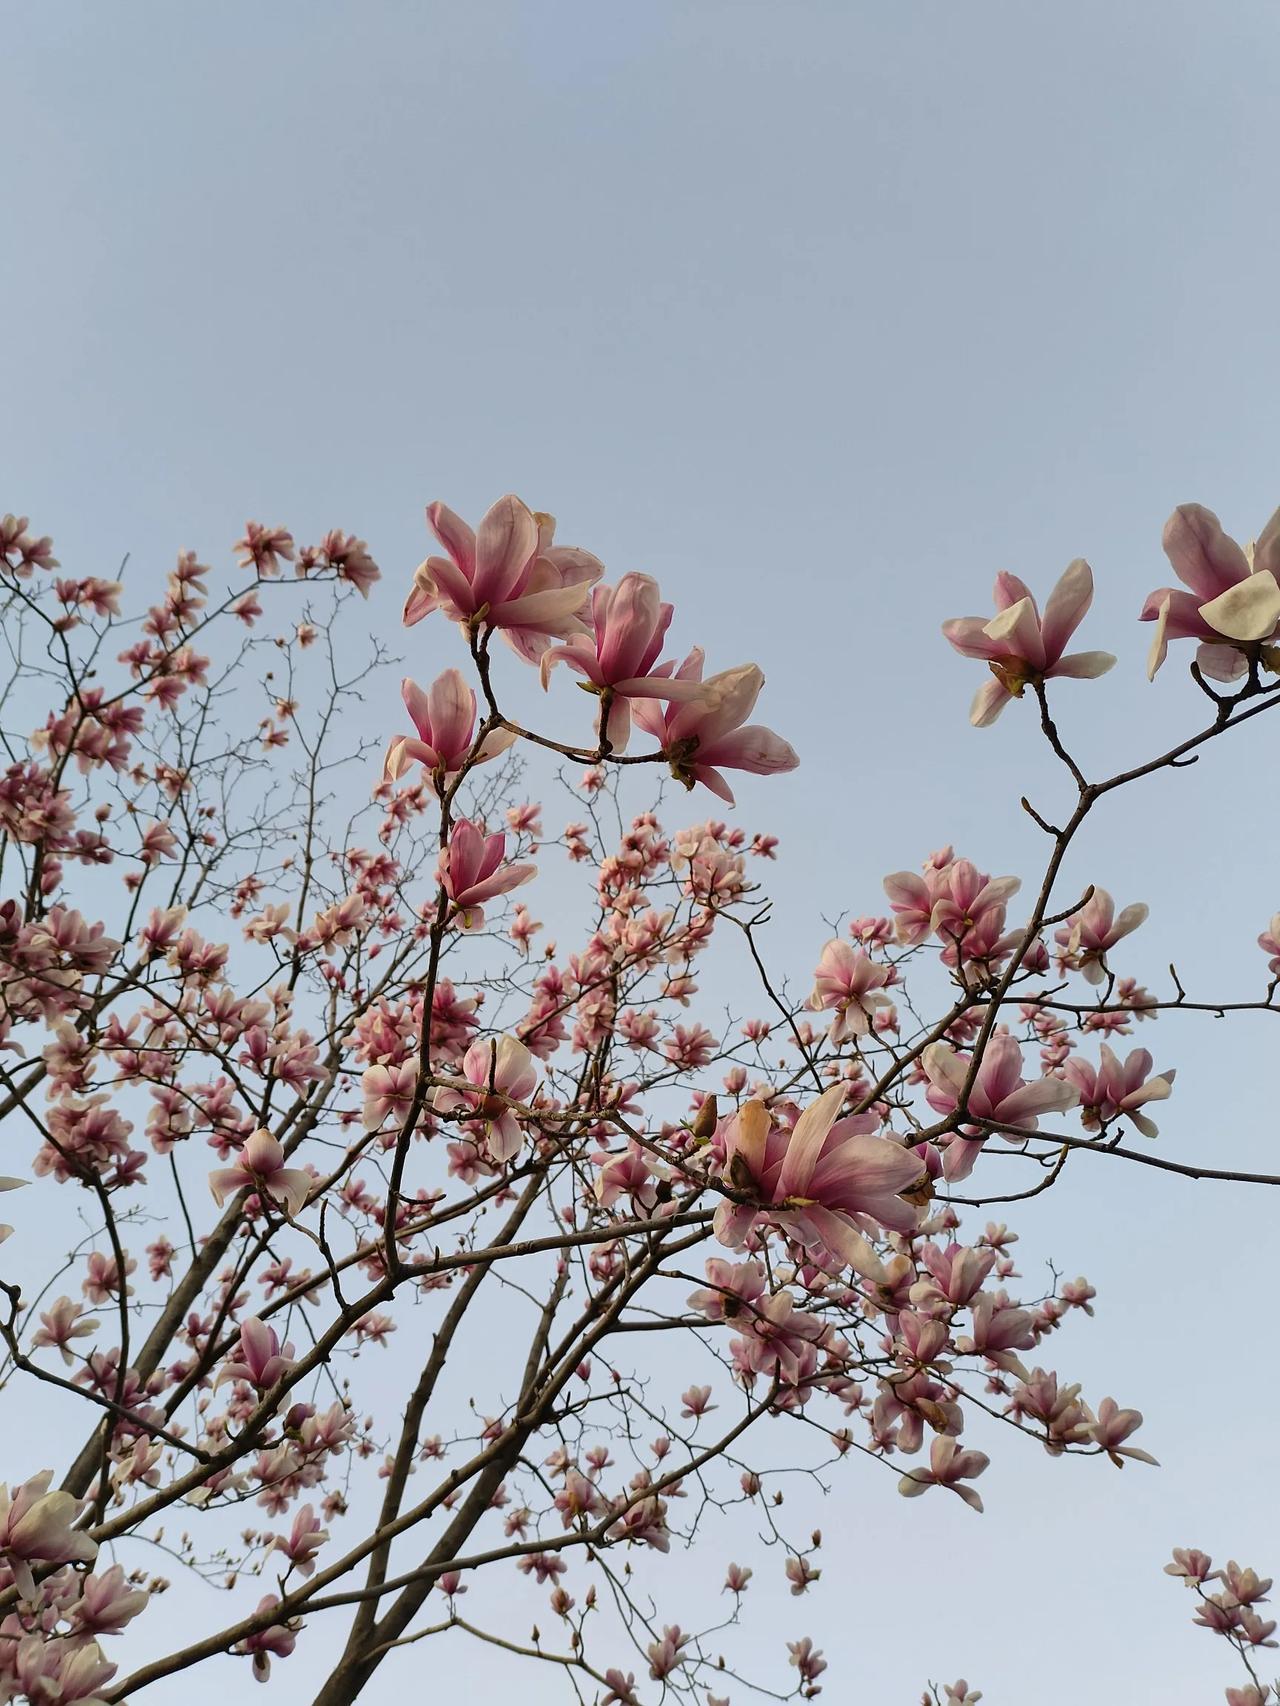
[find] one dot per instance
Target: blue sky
(822, 313)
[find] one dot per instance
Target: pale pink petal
(1016, 631)
(988, 702)
(422, 598)
(418, 706)
(1041, 1096)
(1083, 666)
(452, 707)
(868, 1165)
(1221, 663)
(806, 1141)
(545, 612)
(577, 651)
(1068, 604)
(712, 779)
(291, 1186)
(1130, 918)
(617, 729)
(506, 540)
(968, 634)
(1009, 589)
(226, 1181)
(406, 751)
(1160, 639)
(497, 742)
(454, 534)
(1247, 611)
(755, 749)
(452, 588)
(835, 1232)
(502, 882)
(945, 1067)
(658, 686)
(1203, 556)
(726, 702)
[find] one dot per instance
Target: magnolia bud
(704, 1123)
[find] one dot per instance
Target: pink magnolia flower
(277, 1641)
(495, 1070)
(630, 622)
(963, 906)
(445, 720)
(1111, 1427)
(1088, 934)
(800, 1572)
(303, 1541)
(820, 1182)
(1244, 1584)
(620, 1690)
(69, 1673)
(807, 1659)
(1234, 601)
(957, 1273)
(912, 899)
(1111, 1088)
(388, 1093)
(346, 555)
(578, 1498)
(999, 1094)
(62, 1322)
(732, 1287)
(779, 1340)
(260, 1358)
(1269, 942)
(271, 922)
(102, 1279)
(1020, 646)
(36, 1528)
(631, 1173)
(697, 1402)
(263, 548)
(507, 574)
(701, 736)
(1056, 1407)
(969, 907)
(1190, 1565)
(948, 1466)
(260, 1164)
(471, 871)
(667, 1654)
(998, 1328)
(851, 982)
(106, 1604)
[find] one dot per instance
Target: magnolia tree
(378, 1246)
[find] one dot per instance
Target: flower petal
(806, 1140)
(1016, 631)
(1247, 611)
(1204, 557)
(988, 702)
(506, 541)
(1067, 607)
(1084, 666)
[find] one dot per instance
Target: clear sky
(822, 313)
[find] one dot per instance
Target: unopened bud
(704, 1123)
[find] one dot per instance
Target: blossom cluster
(300, 1077)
